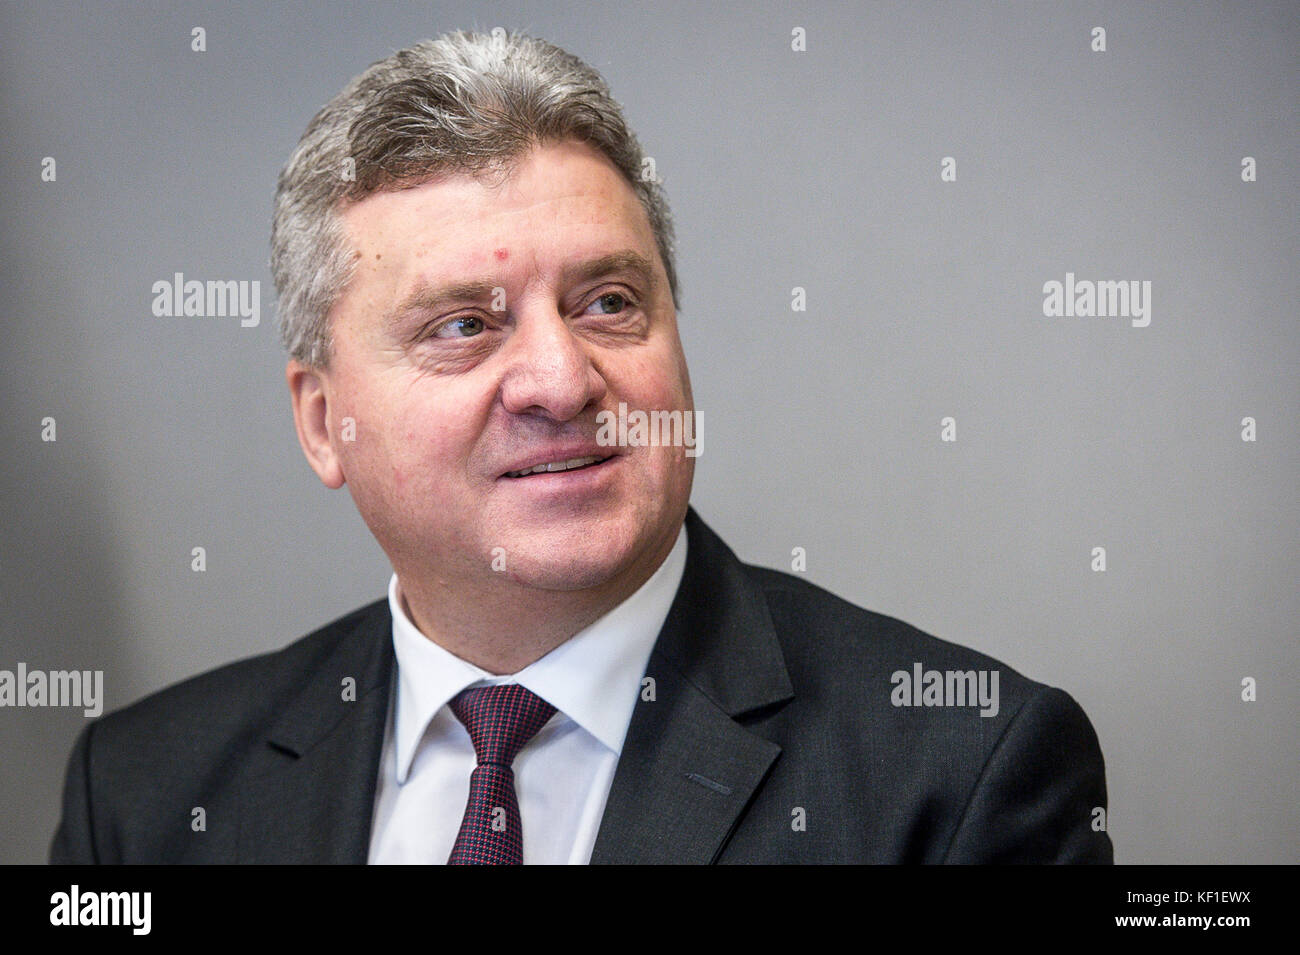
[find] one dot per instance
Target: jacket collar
(309, 796)
(689, 767)
(719, 634)
(687, 770)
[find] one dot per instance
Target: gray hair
(463, 103)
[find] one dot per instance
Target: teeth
(555, 466)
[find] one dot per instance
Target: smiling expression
(486, 326)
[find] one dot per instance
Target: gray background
(818, 170)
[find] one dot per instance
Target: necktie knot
(500, 720)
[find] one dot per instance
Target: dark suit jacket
(771, 738)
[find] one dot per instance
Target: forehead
(566, 194)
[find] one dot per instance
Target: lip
(581, 487)
(565, 452)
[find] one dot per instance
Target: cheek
(657, 381)
(421, 455)
(415, 449)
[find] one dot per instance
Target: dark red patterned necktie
(500, 720)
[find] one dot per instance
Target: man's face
(486, 327)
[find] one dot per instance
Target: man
(475, 278)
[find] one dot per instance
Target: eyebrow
(428, 298)
(625, 261)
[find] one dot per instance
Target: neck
(502, 625)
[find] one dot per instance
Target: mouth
(553, 467)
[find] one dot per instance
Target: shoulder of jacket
(243, 689)
(814, 623)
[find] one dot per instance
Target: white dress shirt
(562, 776)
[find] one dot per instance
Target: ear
(307, 390)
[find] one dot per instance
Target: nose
(548, 371)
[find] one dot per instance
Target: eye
(611, 303)
(464, 326)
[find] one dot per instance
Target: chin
(579, 572)
(580, 558)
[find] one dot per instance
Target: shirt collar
(577, 677)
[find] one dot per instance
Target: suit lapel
(310, 793)
(689, 768)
